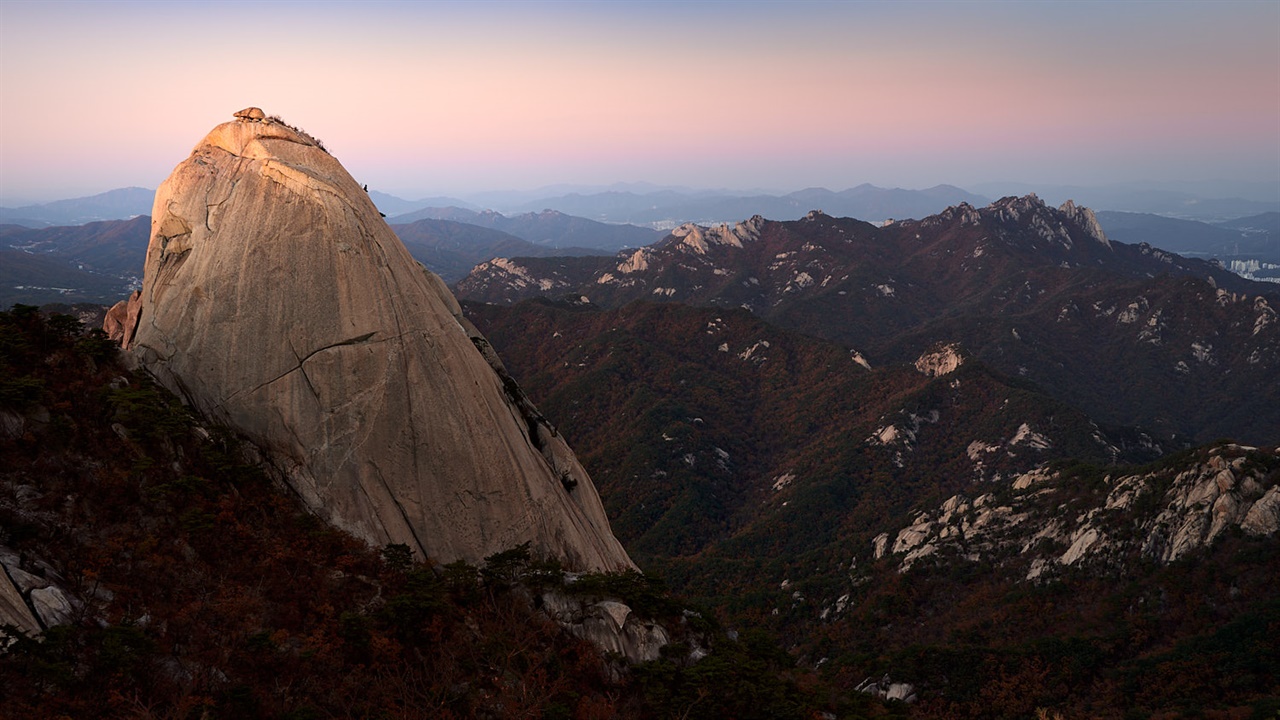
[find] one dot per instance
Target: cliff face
(277, 300)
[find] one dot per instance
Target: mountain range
(102, 261)
(665, 207)
(116, 204)
(548, 228)
(1037, 292)
(1205, 201)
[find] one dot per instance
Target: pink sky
(423, 98)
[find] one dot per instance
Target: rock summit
(277, 300)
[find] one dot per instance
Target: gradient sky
(419, 98)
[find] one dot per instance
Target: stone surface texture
(278, 301)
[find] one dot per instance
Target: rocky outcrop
(940, 360)
(1163, 516)
(30, 602)
(14, 610)
(276, 300)
(122, 319)
(1086, 219)
(888, 689)
(608, 624)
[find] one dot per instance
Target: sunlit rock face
(277, 300)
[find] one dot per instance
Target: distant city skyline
(423, 98)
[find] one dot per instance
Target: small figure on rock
(251, 113)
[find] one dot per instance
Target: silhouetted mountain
(668, 208)
(115, 250)
(444, 212)
(111, 205)
(391, 205)
(548, 228)
(1131, 334)
(450, 249)
(1205, 202)
(1251, 237)
(1268, 223)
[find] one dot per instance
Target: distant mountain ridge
(102, 261)
(865, 201)
(1206, 202)
(549, 228)
(1037, 292)
(665, 207)
(111, 205)
(450, 248)
(1252, 243)
(1253, 237)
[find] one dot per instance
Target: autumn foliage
(206, 591)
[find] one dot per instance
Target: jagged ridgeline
(277, 300)
(1129, 333)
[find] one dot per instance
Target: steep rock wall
(277, 300)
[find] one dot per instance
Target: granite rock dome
(278, 301)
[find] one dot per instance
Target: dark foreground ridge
(179, 581)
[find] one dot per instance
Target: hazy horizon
(506, 198)
(441, 98)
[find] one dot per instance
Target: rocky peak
(1086, 219)
(278, 301)
(1061, 226)
(636, 261)
(1019, 205)
(699, 239)
(964, 213)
